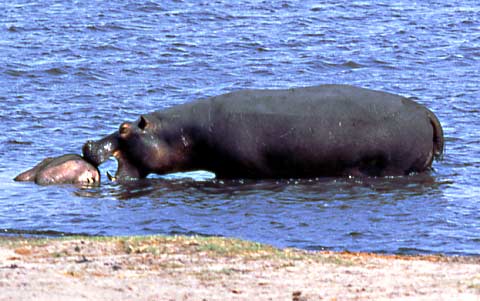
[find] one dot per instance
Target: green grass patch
(158, 245)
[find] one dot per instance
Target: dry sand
(195, 268)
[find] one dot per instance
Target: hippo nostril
(87, 147)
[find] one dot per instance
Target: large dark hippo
(66, 169)
(327, 130)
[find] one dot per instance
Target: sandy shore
(195, 268)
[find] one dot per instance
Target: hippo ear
(143, 123)
(147, 122)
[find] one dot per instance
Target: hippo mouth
(97, 152)
(125, 170)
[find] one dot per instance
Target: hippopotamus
(326, 130)
(66, 169)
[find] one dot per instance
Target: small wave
(346, 65)
(93, 27)
(412, 251)
(468, 22)
(355, 234)
(262, 49)
(37, 233)
(177, 49)
(106, 47)
(181, 231)
(317, 8)
(154, 90)
(317, 248)
(56, 71)
(16, 73)
(105, 27)
(352, 65)
(314, 34)
(383, 64)
(88, 74)
(147, 7)
(13, 28)
(263, 72)
(182, 47)
(13, 141)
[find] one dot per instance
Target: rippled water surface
(74, 70)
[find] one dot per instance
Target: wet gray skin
(326, 130)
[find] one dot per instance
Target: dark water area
(74, 70)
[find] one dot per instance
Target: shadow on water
(293, 190)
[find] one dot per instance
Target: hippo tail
(438, 140)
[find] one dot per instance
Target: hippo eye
(142, 124)
(124, 128)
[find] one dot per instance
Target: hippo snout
(97, 152)
(90, 153)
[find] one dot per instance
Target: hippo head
(141, 147)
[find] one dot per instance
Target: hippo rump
(327, 130)
(66, 169)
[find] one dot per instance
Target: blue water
(74, 70)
